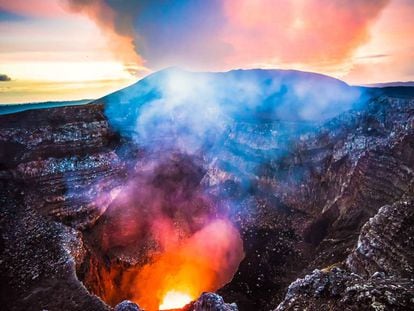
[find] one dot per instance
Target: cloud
(394, 32)
(159, 34)
(313, 31)
(373, 56)
(233, 33)
(117, 24)
(4, 78)
(36, 8)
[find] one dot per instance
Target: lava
(203, 262)
(175, 274)
(174, 300)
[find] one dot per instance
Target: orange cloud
(313, 31)
(393, 39)
(243, 33)
(44, 8)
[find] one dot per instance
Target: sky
(76, 49)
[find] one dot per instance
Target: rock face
(62, 157)
(377, 275)
(340, 290)
(58, 168)
(38, 262)
(127, 305)
(334, 194)
(385, 242)
(348, 169)
(210, 302)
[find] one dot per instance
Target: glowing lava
(175, 300)
(205, 261)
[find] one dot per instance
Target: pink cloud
(316, 33)
(392, 36)
(310, 31)
(34, 8)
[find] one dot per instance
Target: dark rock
(385, 245)
(127, 305)
(211, 302)
(39, 258)
(337, 289)
(325, 190)
(66, 158)
(58, 174)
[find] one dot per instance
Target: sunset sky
(73, 49)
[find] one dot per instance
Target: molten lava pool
(204, 262)
(175, 275)
(175, 300)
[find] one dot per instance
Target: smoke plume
(118, 29)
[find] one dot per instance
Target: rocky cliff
(333, 194)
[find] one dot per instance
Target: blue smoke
(237, 120)
(173, 105)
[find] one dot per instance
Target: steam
(210, 115)
(119, 30)
(179, 110)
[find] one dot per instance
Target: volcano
(266, 189)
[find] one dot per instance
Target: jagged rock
(127, 305)
(386, 242)
(57, 167)
(325, 190)
(378, 273)
(337, 289)
(62, 158)
(39, 258)
(211, 302)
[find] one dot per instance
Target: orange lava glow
(174, 242)
(175, 300)
(185, 268)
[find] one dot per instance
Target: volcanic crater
(269, 206)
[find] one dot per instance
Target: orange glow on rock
(162, 235)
